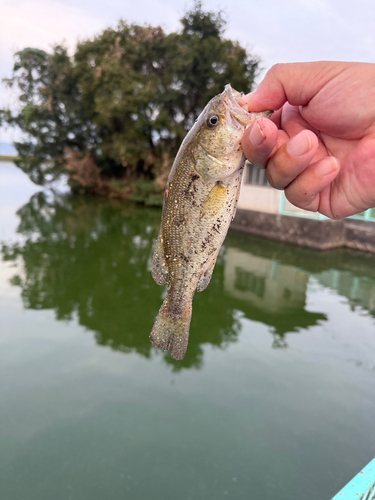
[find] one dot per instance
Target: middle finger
(291, 158)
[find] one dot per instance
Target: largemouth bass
(199, 203)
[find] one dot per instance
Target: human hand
(319, 144)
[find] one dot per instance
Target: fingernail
(256, 135)
(326, 166)
(246, 107)
(299, 145)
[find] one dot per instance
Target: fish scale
(199, 203)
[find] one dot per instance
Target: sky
(275, 30)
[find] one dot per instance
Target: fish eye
(213, 121)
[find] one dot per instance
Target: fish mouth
(240, 117)
(235, 121)
(232, 94)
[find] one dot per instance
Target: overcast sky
(275, 30)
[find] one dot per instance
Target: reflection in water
(81, 421)
(359, 290)
(276, 292)
(274, 278)
(91, 260)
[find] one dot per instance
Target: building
(264, 211)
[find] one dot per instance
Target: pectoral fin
(159, 269)
(215, 200)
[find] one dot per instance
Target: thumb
(296, 83)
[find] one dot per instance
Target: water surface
(274, 399)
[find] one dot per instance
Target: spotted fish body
(199, 204)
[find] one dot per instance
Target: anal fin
(205, 280)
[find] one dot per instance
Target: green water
(275, 398)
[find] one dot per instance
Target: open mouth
(234, 120)
(239, 117)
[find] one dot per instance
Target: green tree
(53, 114)
(122, 104)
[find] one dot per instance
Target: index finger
(296, 83)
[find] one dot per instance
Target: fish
(200, 202)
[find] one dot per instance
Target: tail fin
(171, 331)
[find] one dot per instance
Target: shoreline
(8, 158)
(318, 234)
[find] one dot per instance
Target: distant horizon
(7, 149)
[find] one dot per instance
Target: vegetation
(89, 260)
(120, 107)
(7, 158)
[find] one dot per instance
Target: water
(274, 399)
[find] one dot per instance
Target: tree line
(118, 108)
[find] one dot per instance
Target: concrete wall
(305, 232)
(322, 234)
(259, 198)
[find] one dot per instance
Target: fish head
(222, 123)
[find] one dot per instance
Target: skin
(319, 145)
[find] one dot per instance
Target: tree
(123, 103)
(53, 114)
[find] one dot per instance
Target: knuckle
(261, 165)
(295, 199)
(278, 174)
(276, 69)
(302, 198)
(270, 174)
(259, 158)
